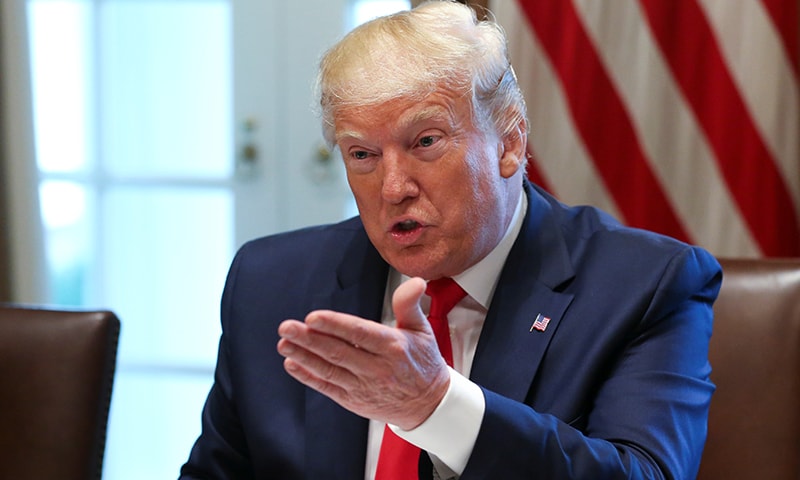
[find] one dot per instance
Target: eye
(427, 140)
(360, 161)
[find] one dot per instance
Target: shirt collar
(480, 280)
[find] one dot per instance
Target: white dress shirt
(450, 432)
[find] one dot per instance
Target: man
(579, 350)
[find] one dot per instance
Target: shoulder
(609, 255)
(592, 235)
(285, 272)
(297, 258)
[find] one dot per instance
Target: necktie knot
(445, 293)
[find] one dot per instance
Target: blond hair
(411, 54)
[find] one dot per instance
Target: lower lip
(407, 237)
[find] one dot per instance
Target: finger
(312, 369)
(365, 334)
(303, 375)
(329, 358)
(315, 359)
(297, 337)
(405, 304)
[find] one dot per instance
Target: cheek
(364, 193)
(467, 208)
(478, 204)
(363, 187)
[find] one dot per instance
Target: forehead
(440, 108)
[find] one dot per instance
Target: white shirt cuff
(451, 430)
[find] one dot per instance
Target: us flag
(540, 323)
(678, 116)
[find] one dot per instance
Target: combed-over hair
(411, 54)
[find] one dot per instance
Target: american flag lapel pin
(540, 323)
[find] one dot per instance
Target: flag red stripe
(747, 165)
(601, 119)
(785, 16)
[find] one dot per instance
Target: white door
(168, 132)
(277, 47)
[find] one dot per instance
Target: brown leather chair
(56, 375)
(754, 422)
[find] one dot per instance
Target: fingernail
(312, 320)
(288, 331)
(286, 348)
(290, 366)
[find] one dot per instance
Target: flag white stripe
(665, 123)
(754, 53)
(642, 78)
(560, 151)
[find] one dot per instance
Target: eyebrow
(433, 112)
(348, 134)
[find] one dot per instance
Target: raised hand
(395, 375)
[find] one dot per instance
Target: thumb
(405, 304)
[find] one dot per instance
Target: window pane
(166, 253)
(154, 421)
(165, 77)
(60, 41)
(68, 241)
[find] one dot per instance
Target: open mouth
(405, 226)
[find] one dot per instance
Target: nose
(399, 179)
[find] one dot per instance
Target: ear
(514, 145)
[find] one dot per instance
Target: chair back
(56, 376)
(754, 421)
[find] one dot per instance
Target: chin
(418, 267)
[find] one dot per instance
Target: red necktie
(398, 459)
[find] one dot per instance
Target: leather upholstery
(56, 375)
(754, 422)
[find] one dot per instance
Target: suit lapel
(510, 350)
(336, 441)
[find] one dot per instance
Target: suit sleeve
(647, 417)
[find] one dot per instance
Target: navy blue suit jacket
(617, 386)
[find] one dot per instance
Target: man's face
(434, 191)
